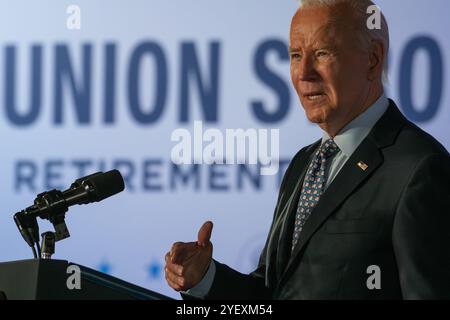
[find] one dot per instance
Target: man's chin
(317, 116)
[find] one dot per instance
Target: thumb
(204, 234)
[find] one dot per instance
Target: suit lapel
(275, 257)
(283, 249)
(348, 179)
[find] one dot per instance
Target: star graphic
(154, 269)
(105, 267)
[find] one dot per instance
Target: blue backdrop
(109, 95)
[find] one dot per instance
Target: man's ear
(376, 60)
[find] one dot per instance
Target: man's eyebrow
(291, 49)
(322, 44)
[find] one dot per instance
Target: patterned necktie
(313, 186)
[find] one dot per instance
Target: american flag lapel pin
(362, 165)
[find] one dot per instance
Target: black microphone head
(78, 183)
(105, 184)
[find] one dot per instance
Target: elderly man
(362, 213)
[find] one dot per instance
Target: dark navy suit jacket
(394, 215)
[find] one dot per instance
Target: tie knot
(329, 148)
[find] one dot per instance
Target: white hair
(360, 9)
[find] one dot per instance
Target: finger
(183, 251)
(175, 268)
(204, 234)
(176, 251)
(180, 281)
(175, 247)
(172, 284)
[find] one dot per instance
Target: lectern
(46, 279)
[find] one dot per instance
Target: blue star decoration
(105, 267)
(154, 269)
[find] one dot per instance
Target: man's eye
(322, 53)
(295, 56)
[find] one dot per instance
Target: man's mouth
(314, 96)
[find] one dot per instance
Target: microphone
(94, 188)
(53, 205)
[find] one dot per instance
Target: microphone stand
(54, 204)
(47, 205)
(48, 245)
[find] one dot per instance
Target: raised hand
(187, 262)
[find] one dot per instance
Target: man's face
(328, 67)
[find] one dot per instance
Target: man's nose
(307, 70)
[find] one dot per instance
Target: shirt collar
(350, 137)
